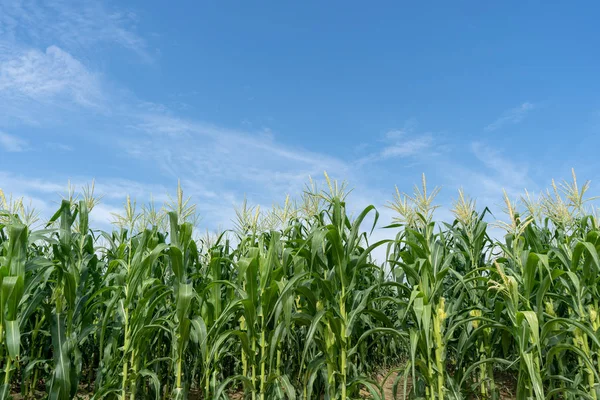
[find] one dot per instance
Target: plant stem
(263, 377)
(125, 364)
(132, 384)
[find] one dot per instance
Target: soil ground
(505, 382)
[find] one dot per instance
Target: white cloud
(220, 158)
(46, 76)
(12, 143)
(485, 179)
(219, 166)
(60, 146)
(512, 116)
(47, 193)
(505, 171)
(43, 45)
(111, 189)
(21, 185)
(401, 143)
(103, 216)
(75, 25)
(395, 134)
(408, 147)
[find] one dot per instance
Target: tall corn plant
(73, 281)
(336, 299)
(423, 262)
(516, 277)
(214, 285)
(12, 274)
(468, 240)
(267, 311)
(15, 234)
(183, 257)
(263, 308)
(571, 319)
(137, 296)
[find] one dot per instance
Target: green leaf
(13, 339)
(60, 385)
(534, 375)
(153, 379)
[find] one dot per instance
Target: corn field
(292, 303)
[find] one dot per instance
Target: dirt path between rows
(505, 382)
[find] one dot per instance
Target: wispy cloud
(507, 170)
(256, 161)
(12, 143)
(43, 76)
(401, 143)
(74, 25)
(409, 147)
(45, 194)
(19, 184)
(491, 172)
(59, 146)
(512, 116)
(45, 51)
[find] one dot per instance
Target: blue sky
(250, 98)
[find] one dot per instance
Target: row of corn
(293, 304)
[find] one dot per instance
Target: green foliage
(292, 304)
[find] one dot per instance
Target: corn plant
(183, 255)
(340, 269)
(12, 273)
(423, 263)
